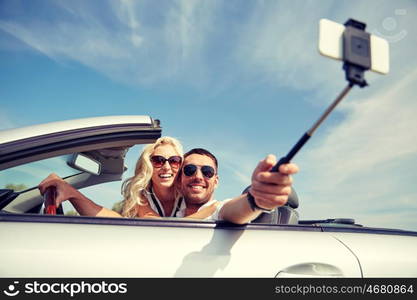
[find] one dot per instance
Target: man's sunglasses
(158, 161)
(190, 170)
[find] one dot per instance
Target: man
(199, 179)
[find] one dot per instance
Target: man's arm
(269, 189)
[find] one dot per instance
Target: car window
(29, 175)
(106, 194)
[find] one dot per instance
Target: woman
(150, 192)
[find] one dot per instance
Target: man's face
(197, 188)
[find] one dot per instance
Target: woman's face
(164, 175)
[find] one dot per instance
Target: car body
(34, 244)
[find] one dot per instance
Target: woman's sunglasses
(158, 161)
(190, 170)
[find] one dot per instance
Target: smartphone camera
(352, 44)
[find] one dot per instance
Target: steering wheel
(49, 202)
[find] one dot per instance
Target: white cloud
(144, 42)
(280, 43)
(126, 14)
(121, 40)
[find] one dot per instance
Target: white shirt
(180, 206)
(213, 217)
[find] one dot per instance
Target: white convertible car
(89, 152)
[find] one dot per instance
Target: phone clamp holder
(356, 52)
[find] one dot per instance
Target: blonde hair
(134, 189)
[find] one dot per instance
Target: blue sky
(240, 78)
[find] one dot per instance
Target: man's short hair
(202, 151)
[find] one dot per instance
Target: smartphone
(331, 45)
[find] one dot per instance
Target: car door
(57, 246)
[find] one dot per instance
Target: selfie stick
(357, 59)
(286, 159)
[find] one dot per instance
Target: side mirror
(84, 163)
